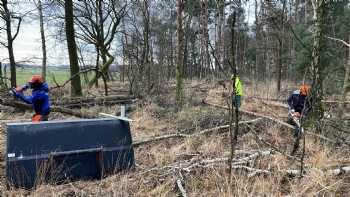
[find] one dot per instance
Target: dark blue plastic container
(58, 151)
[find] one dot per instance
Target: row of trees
(155, 41)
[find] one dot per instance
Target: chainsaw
(20, 89)
(296, 117)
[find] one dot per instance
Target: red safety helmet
(304, 90)
(36, 79)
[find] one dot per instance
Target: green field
(23, 75)
(53, 74)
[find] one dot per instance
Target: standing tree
(7, 17)
(43, 41)
(204, 38)
(346, 83)
(72, 49)
(98, 23)
(234, 111)
(345, 89)
(318, 59)
(220, 33)
(179, 60)
(145, 56)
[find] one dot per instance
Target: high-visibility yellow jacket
(238, 86)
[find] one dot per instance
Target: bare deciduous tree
(76, 89)
(7, 16)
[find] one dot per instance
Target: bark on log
(187, 165)
(239, 163)
(63, 110)
(98, 100)
(93, 103)
(181, 188)
(285, 100)
(331, 172)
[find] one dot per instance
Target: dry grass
(157, 118)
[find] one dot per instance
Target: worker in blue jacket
(296, 101)
(39, 98)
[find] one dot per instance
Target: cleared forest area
(223, 98)
(192, 148)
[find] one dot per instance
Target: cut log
(331, 172)
(62, 110)
(240, 163)
(72, 112)
(284, 100)
(181, 188)
(88, 101)
(93, 103)
(188, 165)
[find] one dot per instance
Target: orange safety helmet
(36, 79)
(304, 90)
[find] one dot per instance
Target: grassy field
(53, 74)
(60, 75)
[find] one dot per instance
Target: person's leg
(44, 118)
(238, 101)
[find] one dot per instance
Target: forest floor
(262, 164)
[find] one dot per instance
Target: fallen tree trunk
(181, 135)
(97, 100)
(92, 103)
(181, 188)
(241, 163)
(188, 165)
(330, 172)
(63, 110)
(284, 100)
(253, 114)
(72, 112)
(289, 126)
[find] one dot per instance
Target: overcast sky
(27, 45)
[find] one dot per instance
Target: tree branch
(339, 40)
(18, 26)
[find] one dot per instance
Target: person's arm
(290, 103)
(26, 99)
(23, 88)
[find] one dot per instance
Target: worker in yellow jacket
(237, 95)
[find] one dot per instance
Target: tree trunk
(179, 61)
(146, 46)
(296, 11)
(280, 49)
(204, 38)
(234, 111)
(43, 41)
(345, 85)
(317, 65)
(220, 33)
(1, 76)
(97, 66)
(76, 89)
(125, 48)
(10, 43)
